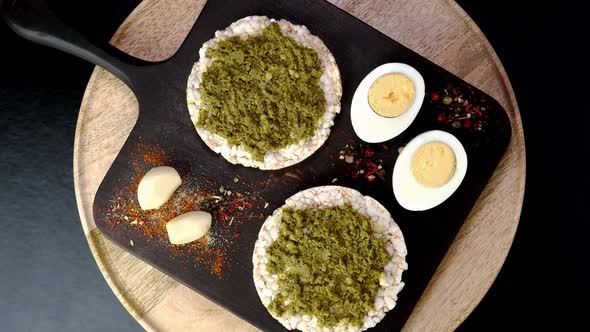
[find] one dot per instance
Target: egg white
(373, 128)
(414, 196)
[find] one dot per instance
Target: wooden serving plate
(149, 302)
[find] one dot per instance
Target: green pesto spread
(262, 92)
(329, 263)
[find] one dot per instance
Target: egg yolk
(433, 164)
(391, 95)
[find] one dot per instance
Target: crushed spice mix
(363, 161)
(461, 106)
(229, 209)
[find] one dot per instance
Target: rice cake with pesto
(293, 150)
(269, 286)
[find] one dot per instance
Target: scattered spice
(210, 254)
(229, 210)
(153, 157)
(435, 96)
(461, 107)
(364, 161)
(218, 265)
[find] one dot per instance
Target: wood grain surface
(437, 29)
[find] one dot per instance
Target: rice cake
(329, 82)
(383, 226)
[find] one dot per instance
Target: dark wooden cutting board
(358, 48)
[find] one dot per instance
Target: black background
(48, 278)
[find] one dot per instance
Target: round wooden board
(439, 30)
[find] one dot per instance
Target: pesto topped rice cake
(264, 93)
(330, 259)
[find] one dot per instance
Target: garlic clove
(157, 186)
(188, 227)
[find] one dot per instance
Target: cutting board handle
(34, 20)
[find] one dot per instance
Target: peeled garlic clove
(188, 227)
(157, 186)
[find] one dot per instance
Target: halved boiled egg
(386, 102)
(429, 170)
